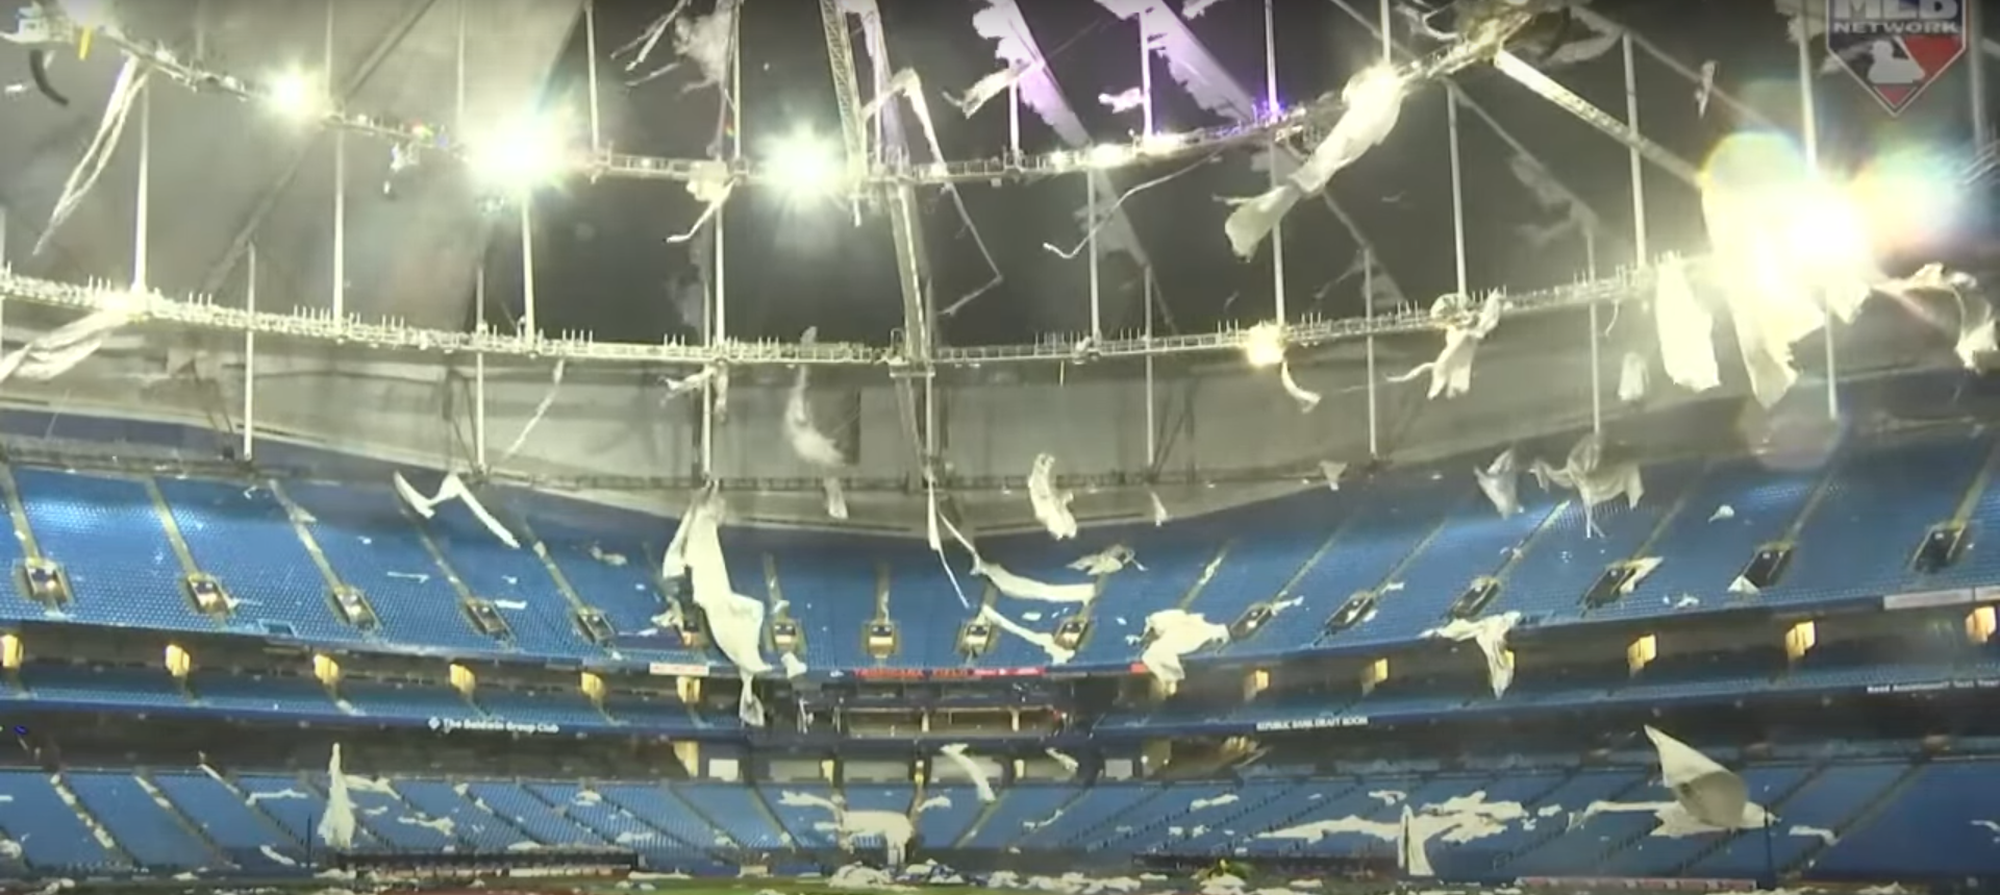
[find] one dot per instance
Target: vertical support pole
(1596, 358)
(339, 187)
(143, 206)
(1271, 108)
(1152, 424)
(718, 308)
(200, 32)
(1145, 75)
(529, 328)
(1014, 117)
(1090, 246)
(1638, 163)
(1809, 126)
(479, 369)
(458, 84)
(1383, 27)
(249, 448)
(1368, 317)
(1457, 188)
(1982, 131)
(590, 47)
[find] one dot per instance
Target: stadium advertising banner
(490, 725)
(1321, 723)
(942, 674)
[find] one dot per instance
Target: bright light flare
(804, 165)
(297, 96)
(522, 155)
(1264, 345)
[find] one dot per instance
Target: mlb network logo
(1896, 48)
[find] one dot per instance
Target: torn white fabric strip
(1160, 514)
(541, 410)
(836, 498)
(1332, 471)
(1174, 633)
(1490, 635)
(1686, 329)
(1500, 481)
(1022, 588)
(62, 349)
(1374, 100)
(1451, 373)
(454, 488)
(336, 824)
(132, 77)
(955, 753)
(1307, 400)
(1632, 374)
(1051, 505)
(1057, 653)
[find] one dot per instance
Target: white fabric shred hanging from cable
(1194, 8)
(1451, 372)
(1307, 400)
(836, 497)
(1058, 654)
(735, 622)
(1007, 582)
(1686, 329)
(1594, 483)
(1705, 90)
(541, 410)
(910, 86)
(1175, 633)
(710, 42)
(720, 390)
(955, 753)
(1633, 373)
(710, 183)
(932, 517)
(1490, 635)
(1160, 514)
(1332, 471)
(1187, 61)
(1051, 505)
(1602, 37)
(673, 563)
(62, 349)
(132, 77)
(807, 441)
(986, 88)
(453, 488)
(1374, 100)
(336, 824)
(1500, 481)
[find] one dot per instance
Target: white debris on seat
(1725, 511)
(1388, 796)
(1160, 514)
(1227, 798)
(277, 857)
(1175, 633)
(286, 793)
(1457, 820)
(453, 488)
(1109, 561)
(336, 825)
(1057, 653)
(443, 825)
(1490, 634)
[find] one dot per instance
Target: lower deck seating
(1867, 818)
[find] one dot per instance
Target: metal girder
(212, 281)
(846, 85)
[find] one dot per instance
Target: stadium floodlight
(804, 165)
(1264, 345)
(297, 96)
(1109, 155)
(524, 154)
